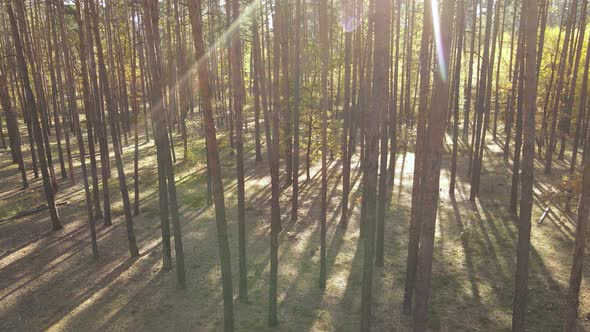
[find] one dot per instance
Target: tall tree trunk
(296, 104)
(581, 111)
(275, 222)
(135, 109)
(32, 109)
(429, 190)
(214, 165)
(382, 197)
(480, 109)
(581, 234)
(99, 128)
(456, 80)
(167, 186)
(324, 105)
(74, 110)
(565, 120)
(347, 113)
(379, 105)
(12, 127)
(238, 101)
(415, 218)
(528, 158)
(559, 87)
(134, 251)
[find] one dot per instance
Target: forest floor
(49, 281)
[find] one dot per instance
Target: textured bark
(214, 165)
(480, 109)
(581, 112)
(565, 120)
(379, 105)
(519, 76)
(166, 182)
(383, 92)
(133, 250)
(97, 118)
(12, 127)
(61, 46)
(32, 109)
(393, 108)
(347, 114)
(460, 32)
(275, 222)
(528, 159)
(296, 104)
(415, 218)
(429, 190)
(559, 87)
(469, 86)
(77, 127)
(258, 86)
(135, 110)
(324, 105)
(238, 103)
(581, 235)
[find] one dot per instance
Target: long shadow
(490, 246)
(104, 282)
(466, 249)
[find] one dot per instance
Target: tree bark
(32, 108)
(528, 158)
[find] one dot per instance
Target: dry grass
(49, 281)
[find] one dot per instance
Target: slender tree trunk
(528, 158)
(296, 110)
(135, 110)
(480, 129)
(74, 110)
(456, 80)
(324, 105)
(159, 114)
(238, 101)
(32, 109)
(382, 197)
(12, 127)
(565, 120)
(275, 222)
(581, 112)
(581, 234)
(559, 87)
(416, 220)
(115, 138)
(347, 113)
(379, 105)
(429, 190)
(214, 165)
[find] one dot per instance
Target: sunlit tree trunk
(134, 251)
(12, 126)
(74, 110)
(429, 190)
(296, 110)
(528, 158)
(159, 114)
(415, 216)
(379, 106)
(238, 104)
(32, 108)
(214, 165)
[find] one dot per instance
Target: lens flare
(349, 23)
(217, 44)
(442, 65)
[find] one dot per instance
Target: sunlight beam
(442, 65)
